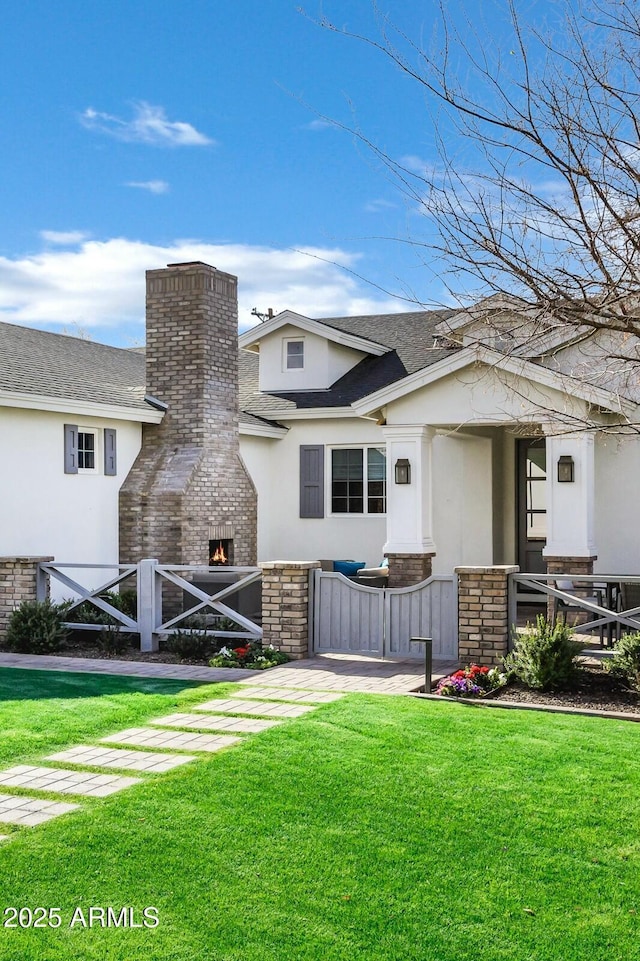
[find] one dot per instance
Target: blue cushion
(348, 568)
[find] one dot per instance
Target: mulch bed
(594, 690)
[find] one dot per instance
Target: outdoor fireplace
(220, 552)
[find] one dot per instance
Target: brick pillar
(566, 566)
(483, 613)
(407, 569)
(18, 583)
(285, 605)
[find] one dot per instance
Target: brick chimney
(189, 482)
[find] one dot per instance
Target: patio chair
(562, 607)
(628, 598)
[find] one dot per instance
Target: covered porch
(503, 465)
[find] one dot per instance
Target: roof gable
(250, 340)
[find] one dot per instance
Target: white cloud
(319, 124)
(64, 238)
(148, 125)
(153, 186)
(378, 206)
(101, 287)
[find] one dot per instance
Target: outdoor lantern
(403, 471)
(565, 469)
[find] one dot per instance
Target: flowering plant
(473, 681)
(251, 655)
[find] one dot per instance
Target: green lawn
(374, 828)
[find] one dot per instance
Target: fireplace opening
(220, 552)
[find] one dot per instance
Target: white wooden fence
(150, 577)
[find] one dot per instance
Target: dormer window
(294, 354)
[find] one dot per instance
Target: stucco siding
(617, 519)
(44, 511)
(275, 469)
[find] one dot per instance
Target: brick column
(566, 566)
(285, 605)
(483, 613)
(407, 569)
(18, 583)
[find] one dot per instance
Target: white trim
(97, 434)
(67, 405)
(563, 383)
(259, 430)
(251, 338)
(308, 413)
(286, 369)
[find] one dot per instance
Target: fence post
(148, 599)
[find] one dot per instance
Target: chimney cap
(193, 263)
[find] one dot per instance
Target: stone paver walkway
(216, 722)
(327, 672)
(290, 694)
(171, 740)
(149, 762)
(64, 782)
(300, 686)
(261, 708)
(29, 811)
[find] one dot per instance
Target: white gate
(349, 618)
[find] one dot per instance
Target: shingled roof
(60, 366)
(412, 341)
(56, 365)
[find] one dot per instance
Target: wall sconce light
(403, 471)
(565, 469)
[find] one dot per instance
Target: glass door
(532, 504)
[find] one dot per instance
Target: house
(437, 438)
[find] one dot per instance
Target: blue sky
(142, 132)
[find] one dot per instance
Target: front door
(532, 504)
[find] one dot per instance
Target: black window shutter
(110, 463)
(311, 481)
(70, 449)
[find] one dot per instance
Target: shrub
(249, 654)
(88, 613)
(625, 661)
(191, 642)
(544, 656)
(36, 627)
(113, 641)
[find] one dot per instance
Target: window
(86, 450)
(358, 481)
(294, 354)
(82, 453)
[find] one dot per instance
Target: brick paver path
(290, 694)
(300, 686)
(172, 740)
(261, 708)
(64, 782)
(216, 722)
(145, 761)
(29, 811)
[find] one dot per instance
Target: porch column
(571, 546)
(410, 546)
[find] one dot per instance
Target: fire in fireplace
(220, 551)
